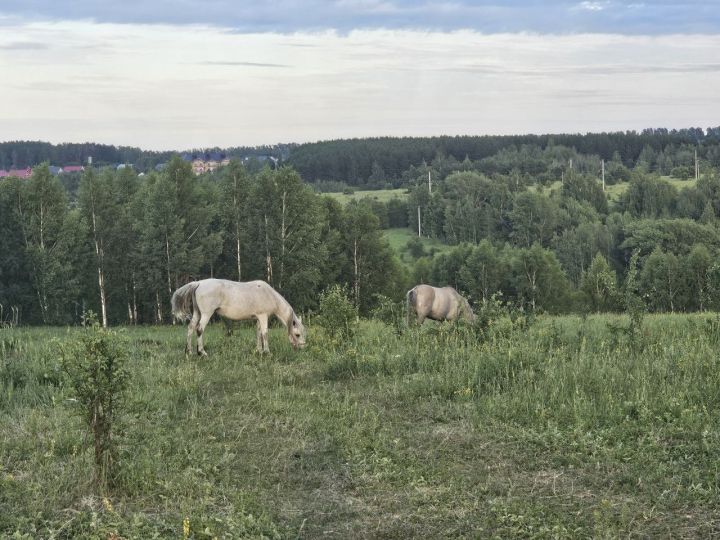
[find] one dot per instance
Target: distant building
(54, 170)
(73, 168)
(124, 165)
(206, 162)
(20, 173)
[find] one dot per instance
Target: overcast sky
(188, 74)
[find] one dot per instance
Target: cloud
(23, 46)
(289, 16)
(172, 86)
(246, 64)
(593, 6)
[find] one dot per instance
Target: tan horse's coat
(438, 304)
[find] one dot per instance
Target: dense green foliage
(383, 161)
(524, 217)
(22, 154)
(553, 427)
(128, 241)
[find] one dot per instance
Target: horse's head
(468, 312)
(296, 332)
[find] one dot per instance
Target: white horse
(438, 304)
(237, 301)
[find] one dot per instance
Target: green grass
(614, 191)
(382, 195)
(398, 239)
(557, 428)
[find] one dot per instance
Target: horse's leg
(263, 321)
(191, 330)
(259, 344)
(228, 327)
(204, 319)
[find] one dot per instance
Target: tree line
(126, 242)
(383, 161)
(548, 238)
(23, 154)
(565, 246)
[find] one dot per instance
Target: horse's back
(236, 300)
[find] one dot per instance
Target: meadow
(615, 191)
(533, 427)
(382, 195)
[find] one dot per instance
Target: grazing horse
(237, 301)
(438, 304)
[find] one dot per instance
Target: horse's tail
(410, 300)
(182, 301)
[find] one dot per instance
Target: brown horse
(237, 301)
(438, 304)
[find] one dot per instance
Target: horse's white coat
(237, 301)
(439, 304)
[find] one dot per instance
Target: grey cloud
(24, 46)
(247, 64)
(598, 69)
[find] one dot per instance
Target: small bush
(390, 312)
(337, 314)
(96, 367)
(415, 248)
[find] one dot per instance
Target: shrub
(416, 248)
(390, 312)
(96, 368)
(337, 314)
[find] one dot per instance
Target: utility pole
(419, 229)
(697, 167)
(429, 183)
(603, 173)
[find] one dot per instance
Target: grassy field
(383, 195)
(614, 191)
(398, 239)
(557, 427)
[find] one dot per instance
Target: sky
(183, 74)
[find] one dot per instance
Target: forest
(531, 225)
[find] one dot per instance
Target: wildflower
(186, 527)
(107, 504)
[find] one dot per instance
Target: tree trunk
(237, 238)
(158, 307)
(356, 281)
(169, 282)
(283, 235)
(268, 257)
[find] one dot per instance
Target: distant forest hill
(387, 161)
(22, 154)
(377, 161)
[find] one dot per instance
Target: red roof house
(73, 168)
(20, 173)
